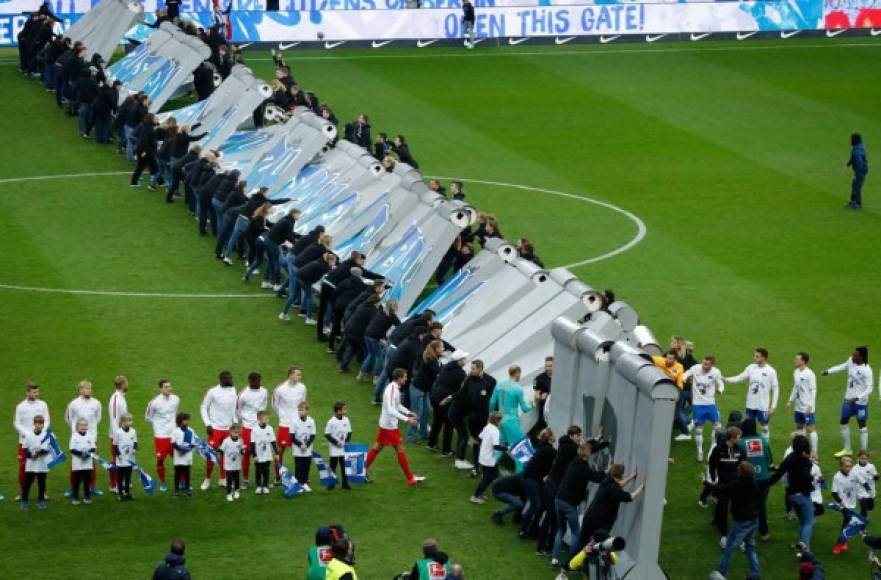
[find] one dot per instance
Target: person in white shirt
(117, 406)
(856, 397)
(36, 450)
(24, 423)
(706, 382)
(82, 446)
(867, 475)
(125, 443)
(804, 398)
(845, 492)
(490, 447)
(388, 434)
(263, 448)
(338, 432)
(183, 443)
(819, 484)
(161, 414)
(231, 451)
(286, 398)
(218, 412)
(251, 401)
(84, 407)
(303, 434)
(764, 390)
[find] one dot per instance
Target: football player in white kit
(804, 399)
(162, 414)
(706, 383)
(764, 390)
(856, 397)
(252, 399)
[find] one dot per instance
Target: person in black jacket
(174, 566)
(571, 492)
(282, 232)
(86, 92)
(354, 329)
(603, 509)
(722, 464)
(381, 146)
(403, 151)
(469, 411)
(178, 150)
(299, 294)
(145, 149)
(166, 134)
(103, 110)
(346, 292)
(448, 382)
(203, 80)
(256, 228)
(375, 341)
(468, 23)
(404, 357)
(134, 117)
(800, 484)
(287, 261)
(425, 370)
(744, 493)
(309, 275)
(538, 467)
(541, 388)
(328, 289)
(511, 491)
(240, 218)
(73, 71)
(358, 132)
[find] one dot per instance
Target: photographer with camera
(596, 558)
(341, 567)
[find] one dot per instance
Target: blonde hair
(83, 384)
(432, 351)
(303, 405)
(325, 240)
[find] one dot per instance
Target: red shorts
(388, 437)
(163, 447)
(246, 439)
(20, 454)
(217, 437)
(283, 437)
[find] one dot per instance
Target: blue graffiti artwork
(398, 261)
(160, 79)
(444, 291)
(362, 241)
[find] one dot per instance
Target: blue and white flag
(856, 523)
(522, 451)
(355, 462)
(205, 450)
(103, 462)
(289, 483)
(56, 454)
(325, 475)
(148, 482)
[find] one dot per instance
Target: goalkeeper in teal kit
(507, 398)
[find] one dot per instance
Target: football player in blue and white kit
(764, 390)
(706, 381)
(856, 397)
(804, 399)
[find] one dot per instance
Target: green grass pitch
(732, 154)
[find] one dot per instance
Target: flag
(856, 523)
(205, 450)
(522, 451)
(289, 483)
(148, 482)
(325, 475)
(103, 463)
(355, 462)
(56, 455)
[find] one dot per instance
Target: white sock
(766, 432)
(815, 441)
(864, 437)
(845, 436)
(699, 439)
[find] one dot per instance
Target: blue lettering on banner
(10, 26)
(544, 21)
(614, 18)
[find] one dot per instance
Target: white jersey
(303, 430)
(116, 408)
(847, 487)
(859, 380)
(817, 478)
(392, 409)
(183, 446)
(251, 401)
(764, 390)
(705, 384)
(867, 475)
(489, 440)
(81, 443)
(285, 399)
(339, 430)
(24, 417)
(232, 453)
(32, 443)
(84, 408)
(126, 443)
(162, 414)
(804, 390)
(218, 408)
(262, 439)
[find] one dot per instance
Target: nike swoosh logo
(287, 46)
(329, 45)
(831, 33)
(696, 37)
(246, 45)
(558, 40)
(424, 43)
(516, 41)
(607, 39)
(745, 35)
(477, 41)
(874, 32)
(375, 44)
(650, 38)
(789, 34)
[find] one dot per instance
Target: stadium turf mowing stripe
(733, 158)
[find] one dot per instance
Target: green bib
(319, 558)
(431, 570)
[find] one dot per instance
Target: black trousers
(547, 527)
(461, 428)
(29, 478)
(439, 420)
(262, 470)
(336, 328)
(325, 302)
(145, 160)
(181, 478)
(334, 461)
(82, 477)
(124, 479)
(301, 469)
(233, 481)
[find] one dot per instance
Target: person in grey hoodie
(860, 165)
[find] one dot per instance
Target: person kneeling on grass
(433, 564)
(510, 490)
